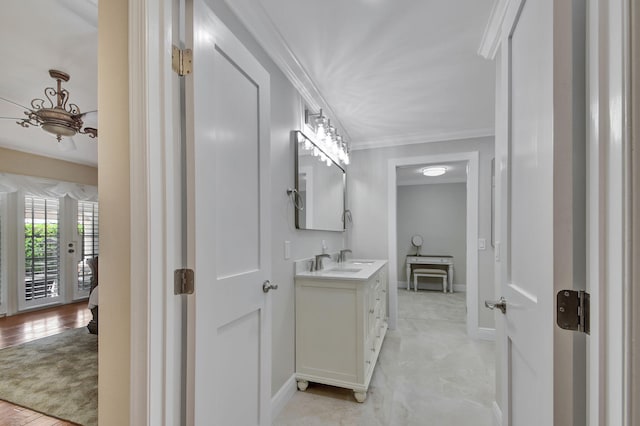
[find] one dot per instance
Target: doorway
(471, 159)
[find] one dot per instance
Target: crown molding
(493, 30)
(257, 21)
(417, 138)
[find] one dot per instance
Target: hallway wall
(437, 212)
(22, 163)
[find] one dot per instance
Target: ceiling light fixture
(434, 171)
(56, 115)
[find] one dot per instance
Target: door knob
(266, 286)
(500, 304)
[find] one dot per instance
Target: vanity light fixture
(434, 171)
(327, 138)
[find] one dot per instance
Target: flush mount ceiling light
(56, 115)
(434, 171)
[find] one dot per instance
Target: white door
(228, 227)
(542, 105)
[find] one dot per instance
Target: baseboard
(284, 394)
(487, 333)
(497, 414)
(459, 288)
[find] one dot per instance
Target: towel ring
(296, 198)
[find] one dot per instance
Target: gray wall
(285, 117)
(438, 212)
(367, 199)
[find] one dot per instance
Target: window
(41, 248)
(88, 231)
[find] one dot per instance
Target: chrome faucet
(319, 260)
(342, 256)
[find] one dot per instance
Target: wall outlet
(287, 250)
(482, 244)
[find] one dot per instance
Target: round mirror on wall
(416, 240)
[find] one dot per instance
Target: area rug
(55, 375)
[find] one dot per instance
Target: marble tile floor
(429, 374)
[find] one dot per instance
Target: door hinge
(183, 281)
(181, 61)
(573, 310)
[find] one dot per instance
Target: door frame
(634, 206)
(609, 211)
(473, 176)
(157, 326)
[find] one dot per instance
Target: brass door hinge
(183, 281)
(182, 61)
(573, 310)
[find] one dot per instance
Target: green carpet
(56, 375)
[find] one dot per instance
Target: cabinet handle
(368, 362)
(378, 299)
(370, 311)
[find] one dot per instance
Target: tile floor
(429, 373)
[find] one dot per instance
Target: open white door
(540, 158)
(228, 227)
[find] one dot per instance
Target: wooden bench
(433, 273)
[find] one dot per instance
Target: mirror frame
(295, 134)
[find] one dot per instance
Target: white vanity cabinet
(341, 321)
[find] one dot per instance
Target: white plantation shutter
(42, 248)
(89, 241)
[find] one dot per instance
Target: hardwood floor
(14, 415)
(28, 326)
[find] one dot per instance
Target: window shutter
(89, 241)
(42, 247)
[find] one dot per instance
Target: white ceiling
(392, 71)
(412, 175)
(37, 36)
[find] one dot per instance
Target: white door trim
(609, 207)
(634, 206)
(473, 177)
(156, 324)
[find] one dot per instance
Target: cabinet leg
(302, 385)
(360, 396)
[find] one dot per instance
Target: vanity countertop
(353, 269)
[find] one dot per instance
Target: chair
(433, 273)
(93, 296)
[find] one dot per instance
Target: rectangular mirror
(320, 184)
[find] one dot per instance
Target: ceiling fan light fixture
(434, 171)
(56, 115)
(58, 129)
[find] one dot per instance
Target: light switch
(482, 244)
(287, 250)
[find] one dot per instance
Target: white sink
(343, 270)
(361, 262)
